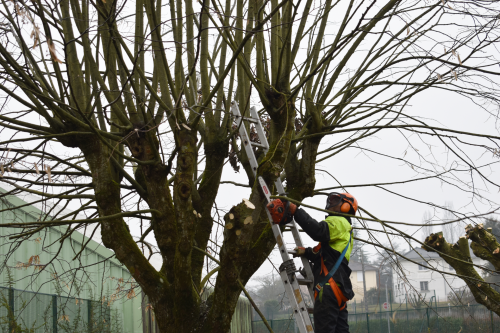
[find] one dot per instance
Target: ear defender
(345, 208)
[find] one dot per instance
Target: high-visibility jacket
(333, 235)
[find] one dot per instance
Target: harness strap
(341, 299)
(335, 267)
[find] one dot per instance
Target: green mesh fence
(450, 319)
(278, 326)
(39, 313)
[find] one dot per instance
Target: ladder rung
(291, 229)
(249, 119)
(255, 144)
(304, 282)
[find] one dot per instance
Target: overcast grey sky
(362, 166)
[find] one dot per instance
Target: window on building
(424, 286)
(359, 275)
(422, 268)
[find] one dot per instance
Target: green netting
(4, 301)
(278, 326)
(464, 319)
(40, 313)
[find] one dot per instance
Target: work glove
(299, 251)
(282, 211)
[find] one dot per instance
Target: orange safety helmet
(349, 203)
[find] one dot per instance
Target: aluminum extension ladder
(287, 268)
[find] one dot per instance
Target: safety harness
(341, 299)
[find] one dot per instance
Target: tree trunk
(458, 257)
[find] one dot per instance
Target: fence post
(437, 312)
(11, 306)
(368, 322)
(390, 299)
(54, 314)
(89, 310)
(428, 324)
(390, 302)
(406, 297)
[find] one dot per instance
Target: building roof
(418, 253)
(356, 266)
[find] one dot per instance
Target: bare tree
(485, 246)
(450, 230)
(121, 111)
(427, 222)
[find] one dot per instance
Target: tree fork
(115, 233)
(455, 255)
(484, 244)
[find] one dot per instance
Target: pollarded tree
(484, 245)
(126, 107)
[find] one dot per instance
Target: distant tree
(461, 296)
(377, 295)
(417, 300)
(373, 296)
(359, 248)
(269, 287)
(427, 221)
(271, 308)
(451, 230)
(494, 224)
(385, 260)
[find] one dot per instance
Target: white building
(414, 279)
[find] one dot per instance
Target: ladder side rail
(259, 127)
(245, 140)
(290, 281)
(305, 262)
(281, 190)
(263, 140)
(300, 312)
(279, 240)
(293, 292)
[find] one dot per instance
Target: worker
(335, 238)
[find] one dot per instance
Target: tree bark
(458, 257)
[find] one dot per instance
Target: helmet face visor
(333, 200)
